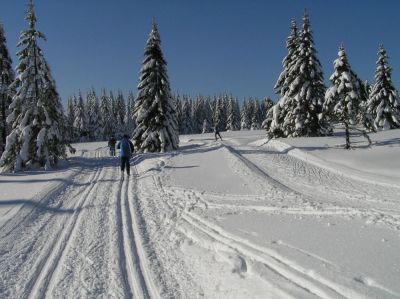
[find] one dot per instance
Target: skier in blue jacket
(126, 150)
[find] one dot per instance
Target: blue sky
(210, 46)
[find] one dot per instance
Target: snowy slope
(296, 218)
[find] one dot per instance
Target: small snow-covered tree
(383, 106)
(220, 114)
(232, 123)
(245, 116)
(70, 118)
(157, 126)
(268, 104)
(256, 116)
(37, 118)
(342, 99)
(120, 114)
(7, 77)
(186, 122)
(178, 109)
(81, 119)
(130, 123)
(93, 116)
(106, 116)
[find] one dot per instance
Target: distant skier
(111, 145)
(216, 132)
(126, 150)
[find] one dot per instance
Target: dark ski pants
(112, 151)
(217, 134)
(125, 163)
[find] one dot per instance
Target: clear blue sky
(210, 46)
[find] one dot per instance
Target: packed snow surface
(240, 218)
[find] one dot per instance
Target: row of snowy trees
(307, 108)
(97, 118)
(31, 112)
(201, 114)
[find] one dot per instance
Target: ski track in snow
(99, 236)
(76, 255)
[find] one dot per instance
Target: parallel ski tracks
(134, 262)
(51, 260)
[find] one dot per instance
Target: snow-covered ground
(241, 218)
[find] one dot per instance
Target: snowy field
(241, 218)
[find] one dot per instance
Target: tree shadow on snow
(38, 205)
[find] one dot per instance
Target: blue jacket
(126, 147)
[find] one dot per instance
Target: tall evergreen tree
(7, 77)
(297, 112)
(37, 116)
(157, 126)
(342, 99)
(383, 106)
(307, 89)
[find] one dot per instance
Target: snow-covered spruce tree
(106, 116)
(7, 77)
(114, 115)
(130, 123)
(362, 107)
(292, 44)
(232, 123)
(186, 122)
(120, 114)
(298, 111)
(157, 126)
(69, 122)
(342, 99)
(81, 119)
(37, 115)
(274, 119)
(383, 106)
(197, 115)
(93, 116)
(220, 114)
(267, 106)
(307, 89)
(256, 116)
(208, 116)
(245, 117)
(178, 109)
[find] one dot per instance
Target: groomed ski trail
(92, 250)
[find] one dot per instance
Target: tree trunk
(346, 126)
